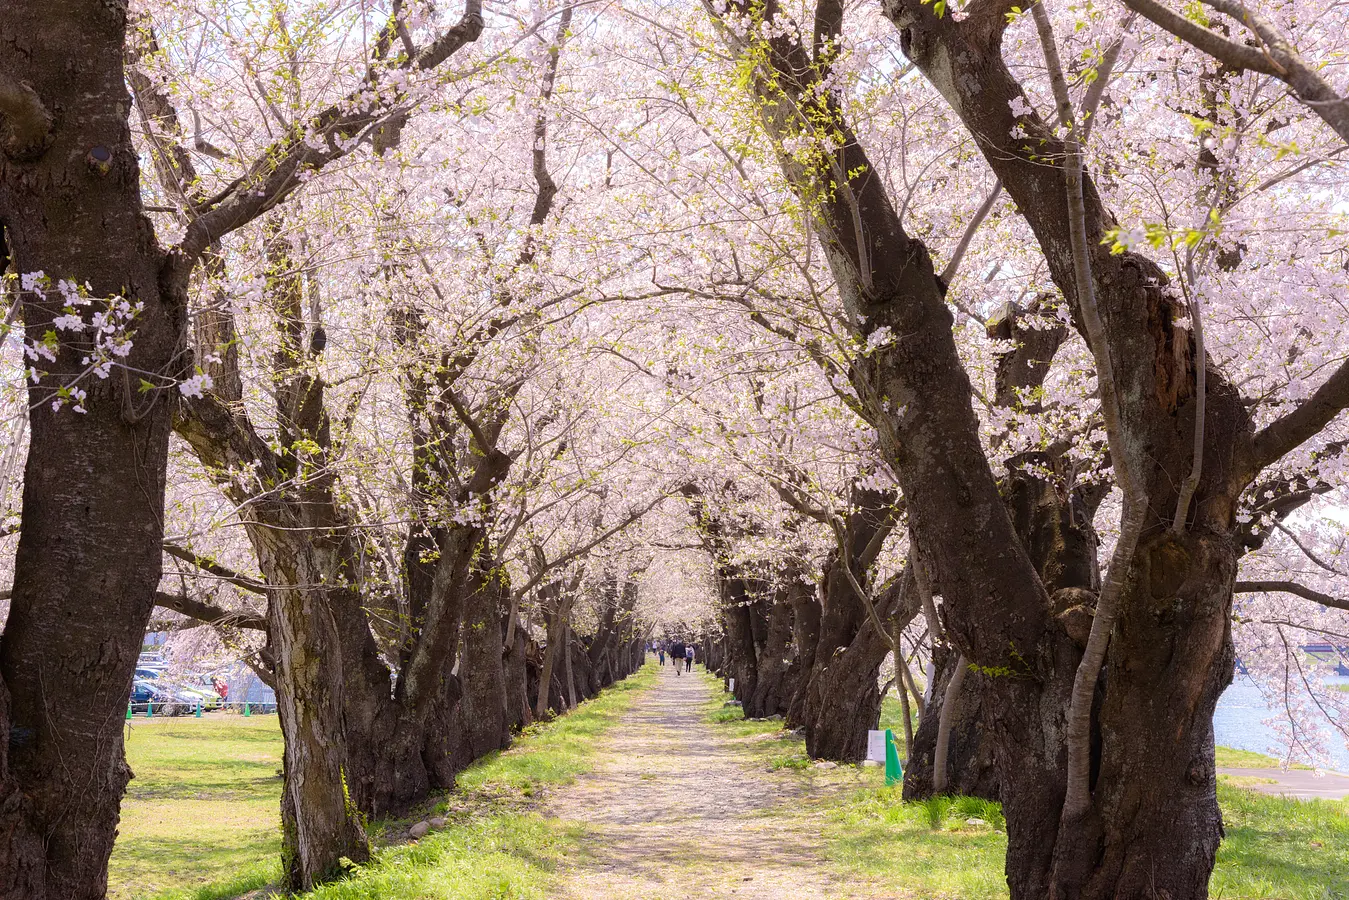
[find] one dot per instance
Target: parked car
(205, 694)
(191, 688)
(149, 697)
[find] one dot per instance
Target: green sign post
(894, 772)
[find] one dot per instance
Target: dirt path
(675, 811)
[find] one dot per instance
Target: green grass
(1231, 757)
(927, 848)
(1275, 847)
(1280, 847)
(201, 809)
(200, 821)
(765, 740)
(892, 715)
(498, 846)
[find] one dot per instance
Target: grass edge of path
(1275, 847)
(495, 839)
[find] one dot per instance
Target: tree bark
(778, 670)
(89, 559)
(482, 670)
(319, 828)
(1171, 650)
(970, 769)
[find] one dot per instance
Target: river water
(1240, 722)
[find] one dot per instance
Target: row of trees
(987, 352)
(377, 492)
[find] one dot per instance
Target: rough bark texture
(88, 559)
(842, 700)
(482, 672)
(971, 770)
(779, 668)
(318, 828)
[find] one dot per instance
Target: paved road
(1300, 783)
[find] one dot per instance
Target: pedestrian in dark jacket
(677, 654)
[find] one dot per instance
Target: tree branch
(1277, 56)
(590, 545)
(980, 214)
(209, 613)
(1291, 587)
(212, 567)
(1291, 430)
(1077, 799)
(310, 146)
(1228, 52)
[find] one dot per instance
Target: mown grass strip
(954, 847)
(497, 845)
(201, 809)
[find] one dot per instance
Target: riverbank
(954, 847)
(1242, 720)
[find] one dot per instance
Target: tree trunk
(970, 768)
(569, 650)
(777, 672)
(516, 664)
(319, 827)
(89, 558)
(742, 662)
(848, 702)
(482, 672)
(87, 567)
(805, 636)
(842, 700)
(552, 654)
(1155, 825)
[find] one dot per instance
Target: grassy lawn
(202, 808)
(200, 821)
(1231, 757)
(1275, 847)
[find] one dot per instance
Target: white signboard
(732, 687)
(876, 746)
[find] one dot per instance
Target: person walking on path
(676, 654)
(661, 652)
(688, 658)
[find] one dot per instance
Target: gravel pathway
(675, 811)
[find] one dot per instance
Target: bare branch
(1277, 56)
(980, 214)
(1291, 587)
(585, 548)
(1289, 431)
(1228, 52)
(310, 146)
(206, 564)
(209, 613)
(1077, 800)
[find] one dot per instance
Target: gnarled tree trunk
(89, 557)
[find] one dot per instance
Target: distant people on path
(661, 652)
(676, 654)
(688, 658)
